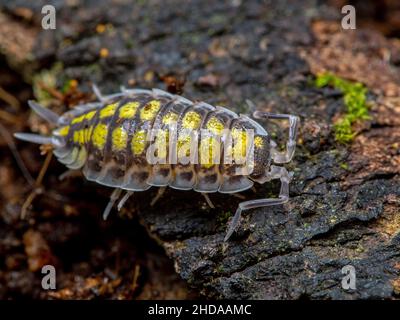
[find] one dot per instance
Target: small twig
(37, 184)
(9, 117)
(28, 202)
(53, 92)
(136, 274)
(9, 98)
(46, 150)
(11, 145)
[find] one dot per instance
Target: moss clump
(344, 166)
(355, 99)
(44, 81)
(223, 217)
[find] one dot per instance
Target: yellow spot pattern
(209, 148)
(128, 110)
(183, 145)
(215, 126)
(89, 116)
(77, 119)
(119, 139)
(239, 143)
(150, 110)
(139, 142)
(108, 111)
(99, 136)
(161, 142)
(79, 137)
(86, 116)
(191, 120)
(63, 131)
(87, 133)
(170, 118)
(258, 142)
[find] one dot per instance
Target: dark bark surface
(344, 207)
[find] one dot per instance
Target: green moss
(67, 85)
(129, 43)
(355, 100)
(46, 79)
(223, 217)
(333, 220)
(217, 18)
(94, 70)
(344, 166)
(50, 79)
(220, 269)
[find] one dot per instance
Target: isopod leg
(69, 173)
(275, 173)
(101, 97)
(286, 156)
(159, 194)
(208, 200)
(238, 195)
(97, 92)
(114, 197)
(124, 199)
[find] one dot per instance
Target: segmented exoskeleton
(109, 140)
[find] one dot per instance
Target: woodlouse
(109, 139)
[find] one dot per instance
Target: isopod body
(110, 141)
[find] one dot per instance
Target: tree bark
(344, 199)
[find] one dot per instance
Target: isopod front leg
(100, 96)
(97, 92)
(276, 172)
(286, 156)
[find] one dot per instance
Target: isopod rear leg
(124, 199)
(238, 195)
(114, 197)
(69, 174)
(208, 200)
(159, 194)
(286, 156)
(275, 173)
